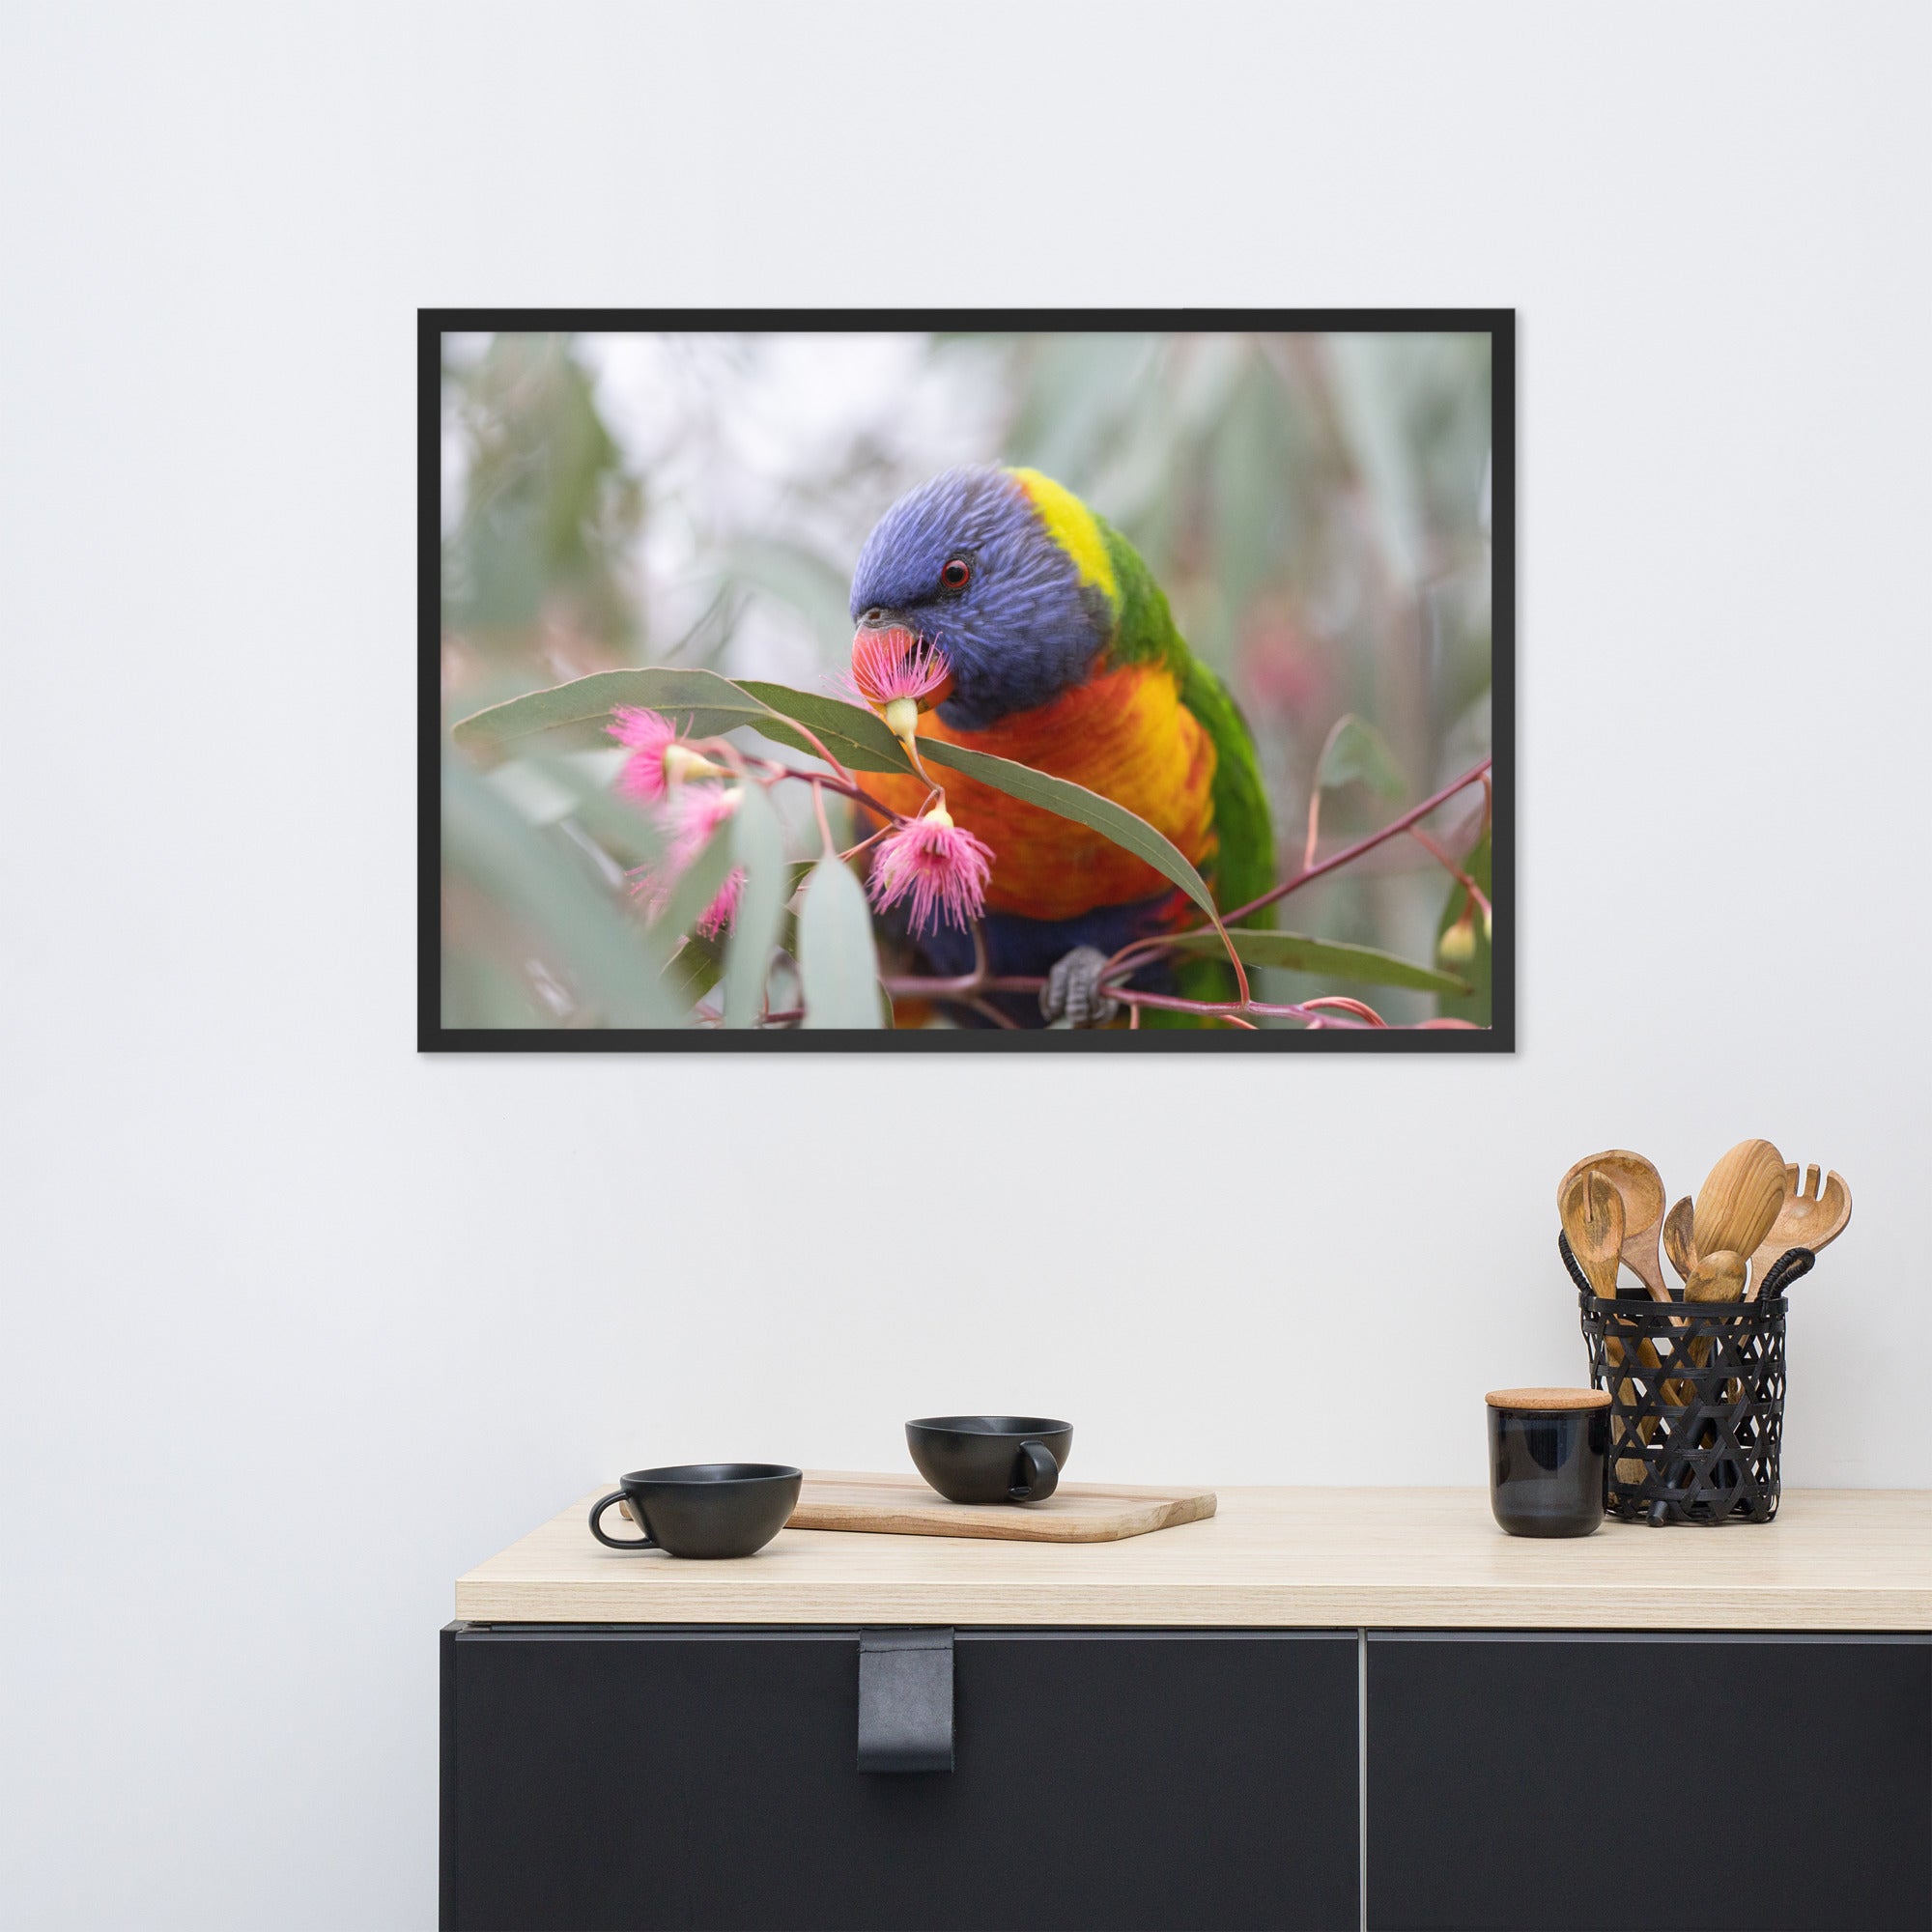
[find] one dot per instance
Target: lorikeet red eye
(954, 573)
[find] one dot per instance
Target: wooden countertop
(1835, 1559)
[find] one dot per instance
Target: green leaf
(759, 848)
(855, 736)
(1473, 1006)
(1333, 958)
(1133, 833)
(703, 704)
(540, 879)
(837, 961)
(1356, 750)
(623, 829)
(697, 965)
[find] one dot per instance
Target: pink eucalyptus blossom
(895, 673)
(694, 812)
(942, 868)
(649, 736)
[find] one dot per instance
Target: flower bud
(681, 762)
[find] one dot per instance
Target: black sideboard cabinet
(1585, 1782)
(647, 1777)
(598, 1777)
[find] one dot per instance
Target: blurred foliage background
(1316, 506)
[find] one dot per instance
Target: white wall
(299, 1325)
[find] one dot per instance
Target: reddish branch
(1350, 853)
(967, 990)
(972, 989)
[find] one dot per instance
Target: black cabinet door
(1572, 1782)
(603, 1778)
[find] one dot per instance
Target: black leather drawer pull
(905, 1700)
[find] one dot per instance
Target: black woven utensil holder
(1697, 1400)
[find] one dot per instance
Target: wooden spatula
(1739, 1199)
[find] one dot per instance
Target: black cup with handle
(702, 1509)
(990, 1459)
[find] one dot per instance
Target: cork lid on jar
(1547, 1400)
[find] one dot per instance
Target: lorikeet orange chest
(1124, 734)
(1062, 655)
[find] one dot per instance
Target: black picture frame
(1499, 1037)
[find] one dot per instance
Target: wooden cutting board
(1075, 1513)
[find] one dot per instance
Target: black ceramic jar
(1548, 1458)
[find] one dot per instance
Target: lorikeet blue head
(1006, 571)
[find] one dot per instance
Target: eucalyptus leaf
(837, 961)
(1128, 831)
(622, 828)
(1356, 750)
(697, 966)
(758, 845)
(856, 736)
(703, 705)
(1332, 957)
(544, 882)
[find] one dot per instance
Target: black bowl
(703, 1509)
(990, 1459)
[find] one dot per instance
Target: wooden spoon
(1714, 1277)
(1680, 1240)
(1739, 1200)
(1593, 1218)
(1643, 1190)
(1808, 1217)
(1717, 1277)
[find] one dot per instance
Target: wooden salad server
(1593, 1218)
(1641, 1187)
(1809, 1216)
(1593, 1221)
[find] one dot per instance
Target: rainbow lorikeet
(1061, 654)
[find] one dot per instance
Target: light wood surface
(1845, 1559)
(899, 1505)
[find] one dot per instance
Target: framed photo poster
(1091, 682)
